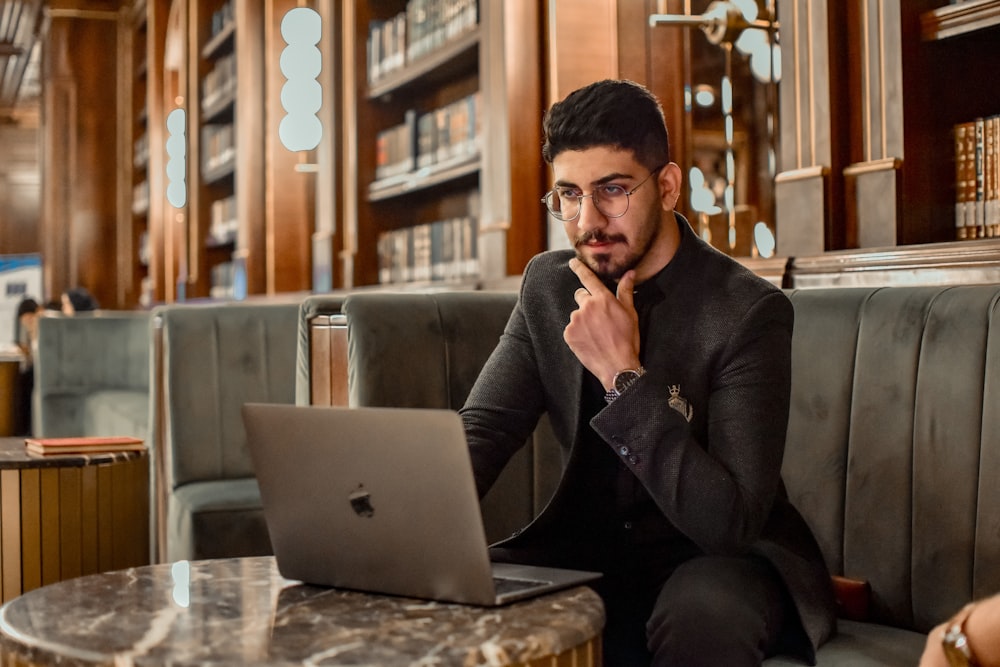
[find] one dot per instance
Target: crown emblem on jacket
(679, 403)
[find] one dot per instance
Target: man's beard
(602, 264)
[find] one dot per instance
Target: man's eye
(612, 191)
(569, 193)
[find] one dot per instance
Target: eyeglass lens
(611, 200)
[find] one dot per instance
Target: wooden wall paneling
(583, 44)
(512, 222)
(290, 176)
(250, 181)
(191, 276)
(170, 224)
(326, 239)
(156, 29)
(80, 149)
(20, 189)
(803, 193)
(872, 187)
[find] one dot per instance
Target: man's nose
(590, 217)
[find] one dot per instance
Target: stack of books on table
(84, 445)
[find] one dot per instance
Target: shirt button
(624, 450)
(628, 525)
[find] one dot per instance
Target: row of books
(422, 28)
(422, 140)
(140, 198)
(977, 178)
(140, 150)
(442, 250)
(223, 221)
(223, 17)
(222, 281)
(219, 83)
(220, 145)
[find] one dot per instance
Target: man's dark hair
(617, 113)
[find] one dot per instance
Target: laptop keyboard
(505, 585)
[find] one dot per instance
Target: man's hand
(603, 332)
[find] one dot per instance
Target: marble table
(64, 516)
(240, 611)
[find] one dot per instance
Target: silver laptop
(381, 500)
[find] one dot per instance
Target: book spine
(980, 179)
(959, 141)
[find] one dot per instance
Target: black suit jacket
(721, 337)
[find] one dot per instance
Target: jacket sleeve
(719, 493)
(505, 403)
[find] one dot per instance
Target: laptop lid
(377, 499)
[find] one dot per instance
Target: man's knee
(714, 611)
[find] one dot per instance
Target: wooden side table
(241, 611)
(70, 515)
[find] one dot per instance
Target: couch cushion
(893, 444)
(864, 645)
(216, 519)
(215, 359)
(116, 412)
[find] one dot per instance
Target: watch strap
(623, 380)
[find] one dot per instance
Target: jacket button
(624, 450)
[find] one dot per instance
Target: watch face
(624, 379)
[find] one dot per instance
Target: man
(664, 367)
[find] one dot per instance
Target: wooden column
(80, 149)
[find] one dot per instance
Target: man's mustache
(598, 237)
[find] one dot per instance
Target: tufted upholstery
(92, 375)
(893, 448)
(210, 360)
(893, 452)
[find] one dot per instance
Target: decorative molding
(871, 166)
(816, 171)
(951, 263)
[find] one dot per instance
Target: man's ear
(670, 180)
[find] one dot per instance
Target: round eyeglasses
(610, 199)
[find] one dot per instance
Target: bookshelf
(867, 194)
(214, 229)
(437, 181)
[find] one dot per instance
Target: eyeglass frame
(580, 198)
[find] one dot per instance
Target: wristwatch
(955, 643)
(623, 380)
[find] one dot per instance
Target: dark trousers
(708, 610)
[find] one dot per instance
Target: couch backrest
(83, 354)
(893, 449)
(426, 351)
(211, 360)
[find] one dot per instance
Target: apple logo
(361, 502)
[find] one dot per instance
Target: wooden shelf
(219, 107)
(424, 179)
(214, 45)
(963, 18)
(451, 60)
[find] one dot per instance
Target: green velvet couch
(208, 361)
(92, 375)
(893, 449)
